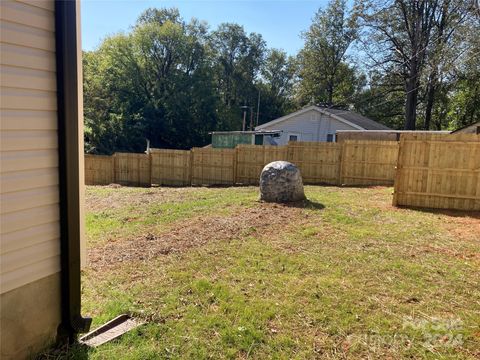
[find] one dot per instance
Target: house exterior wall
(308, 126)
(29, 181)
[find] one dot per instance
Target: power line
(406, 93)
(403, 63)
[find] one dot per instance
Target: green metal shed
(230, 139)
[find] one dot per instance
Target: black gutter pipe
(69, 172)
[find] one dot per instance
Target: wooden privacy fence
(99, 169)
(438, 171)
(350, 163)
(368, 162)
(121, 168)
(252, 158)
(213, 166)
(429, 170)
(171, 167)
(132, 169)
(319, 163)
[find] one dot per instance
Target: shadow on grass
(306, 204)
(473, 214)
(75, 351)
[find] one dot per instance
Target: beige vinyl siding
(29, 194)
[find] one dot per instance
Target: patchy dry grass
(219, 275)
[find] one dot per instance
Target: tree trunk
(430, 101)
(411, 104)
(330, 86)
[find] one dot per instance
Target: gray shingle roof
(357, 119)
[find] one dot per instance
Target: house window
(293, 138)
(329, 137)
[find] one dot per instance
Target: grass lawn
(217, 274)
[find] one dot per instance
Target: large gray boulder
(281, 181)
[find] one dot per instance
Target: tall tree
(276, 85)
(237, 58)
(322, 60)
(403, 32)
(448, 45)
(153, 83)
(464, 94)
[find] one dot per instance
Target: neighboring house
(41, 175)
(315, 123)
(469, 129)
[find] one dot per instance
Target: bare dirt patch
(261, 220)
(132, 197)
(463, 227)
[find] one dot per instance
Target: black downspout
(69, 180)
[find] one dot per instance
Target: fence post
(190, 177)
(112, 169)
(341, 163)
(114, 157)
(150, 168)
(235, 162)
(398, 167)
(290, 149)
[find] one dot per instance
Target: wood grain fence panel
(251, 159)
(438, 171)
(171, 167)
(132, 169)
(213, 166)
(99, 170)
(319, 163)
(367, 162)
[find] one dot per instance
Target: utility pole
(244, 107)
(258, 106)
(251, 118)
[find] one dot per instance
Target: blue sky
(279, 22)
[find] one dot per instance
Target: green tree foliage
(154, 83)
(237, 59)
(421, 46)
(276, 85)
(325, 77)
(416, 64)
(463, 91)
(171, 82)
(382, 100)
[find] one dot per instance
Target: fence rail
(437, 171)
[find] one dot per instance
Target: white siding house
(314, 123)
